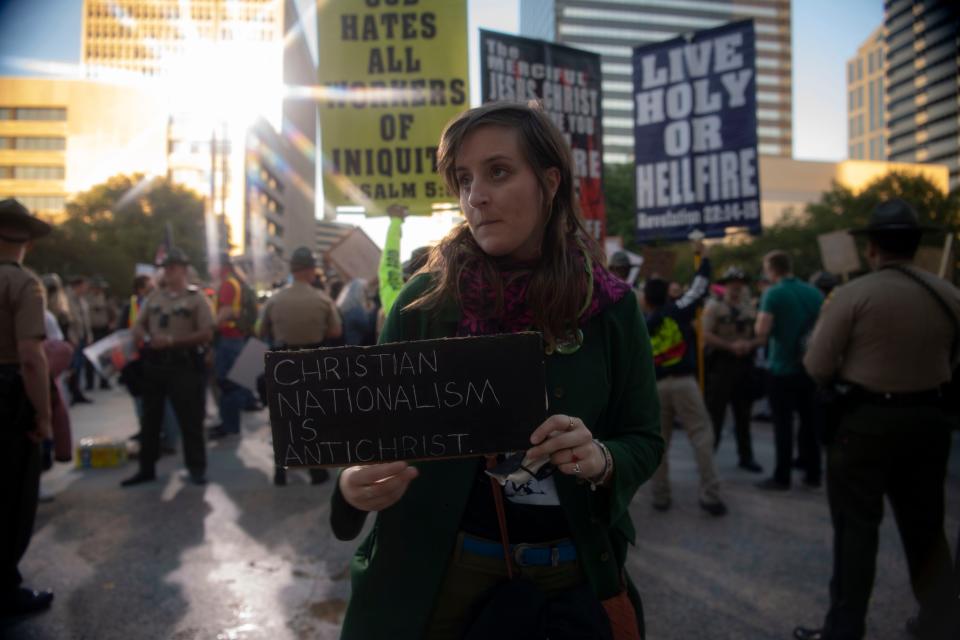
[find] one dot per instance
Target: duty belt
(181, 355)
(914, 398)
(296, 347)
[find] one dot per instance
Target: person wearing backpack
(788, 311)
(236, 310)
(892, 338)
(674, 347)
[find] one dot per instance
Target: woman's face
(500, 194)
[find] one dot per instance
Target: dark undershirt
(525, 523)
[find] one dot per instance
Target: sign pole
(945, 258)
(697, 236)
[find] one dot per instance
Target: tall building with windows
(162, 37)
(866, 113)
(58, 137)
(220, 65)
(923, 82)
(613, 27)
(223, 64)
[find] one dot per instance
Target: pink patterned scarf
(478, 298)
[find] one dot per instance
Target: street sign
(422, 400)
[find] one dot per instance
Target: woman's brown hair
(559, 284)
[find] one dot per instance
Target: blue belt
(525, 555)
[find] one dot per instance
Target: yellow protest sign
(392, 73)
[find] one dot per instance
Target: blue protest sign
(695, 122)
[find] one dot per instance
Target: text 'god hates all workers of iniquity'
(322, 399)
(394, 73)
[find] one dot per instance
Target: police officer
(102, 318)
(728, 336)
(174, 323)
(24, 403)
(891, 336)
(80, 334)
(300, 316)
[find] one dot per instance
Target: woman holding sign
(435, 564)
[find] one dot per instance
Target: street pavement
(241, 559)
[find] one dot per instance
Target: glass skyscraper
(923, 82)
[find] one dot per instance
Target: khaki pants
(680, 399)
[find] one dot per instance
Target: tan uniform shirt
(886, 333)
(21, 310)
(300, 315)
(101, 316)
(730, 320)
(176, 315)
(79, 328)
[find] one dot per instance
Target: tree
(115, 225)
(840, 208)
(618, 191)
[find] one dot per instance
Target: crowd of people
(540, 551)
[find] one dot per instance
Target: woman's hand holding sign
(377, 486)
(571, 448)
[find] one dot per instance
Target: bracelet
(604, 475)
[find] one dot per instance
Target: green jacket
(609, 383)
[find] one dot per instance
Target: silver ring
(576, 467)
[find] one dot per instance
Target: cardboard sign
(838, 252)
(249, 365)
(355, 255)
(658, 263)
(421, 400)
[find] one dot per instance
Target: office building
(923, 82)
(220, 65)
(276, 198)
(613, 27)
(162, 37)
(788, 185)
(866, 114)
(538, 19)
(60, 137)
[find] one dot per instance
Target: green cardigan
(608, 383)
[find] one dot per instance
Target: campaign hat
(302, 258)
(25, 226)
(894, 215)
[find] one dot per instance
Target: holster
(16, 410)
(832, 402)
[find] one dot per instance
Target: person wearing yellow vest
(674, 343)
(229, 344)
(142, 285)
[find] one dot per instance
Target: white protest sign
(248, 365)
(110, 354)
(838, 252)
